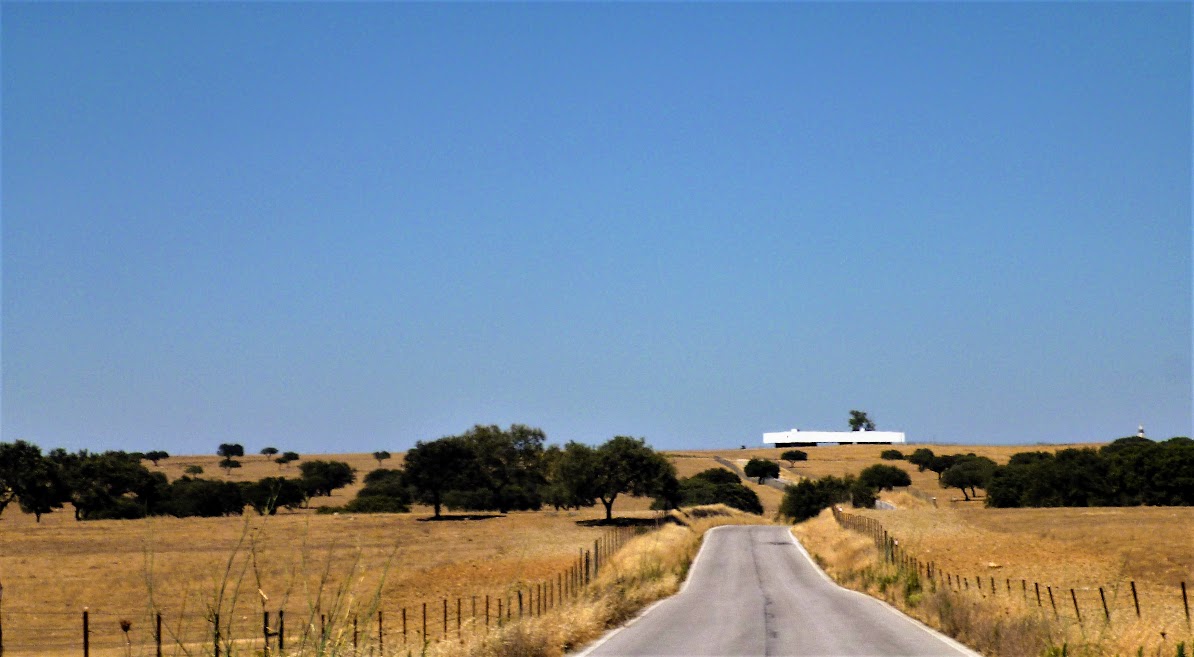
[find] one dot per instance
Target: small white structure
(797, 438)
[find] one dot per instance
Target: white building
(798, 438)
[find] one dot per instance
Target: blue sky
(346, 227)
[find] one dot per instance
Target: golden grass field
(51, 570)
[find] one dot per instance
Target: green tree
(794, 455)
(381, 455)
(228, 452)
(155, 456)
(206, 498)
(286, 459)
(385, 491)
(891, 455)
(808, 498)
(570, 481)
(269, 494)
(884, 477)
(716, 486)
(761, 468)
(434, 468)
(111, 485)
(320, 478)
(860, 422)
(509, 466)
(18, 461)
(269, 451)
(627, 465)
(921, 458)
(968, 472)
(193, 470)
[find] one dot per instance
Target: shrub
(761, 468)
(892, 455)
(793, 455)
(884, 477)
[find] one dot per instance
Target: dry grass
(52, 570)
(1060, 549)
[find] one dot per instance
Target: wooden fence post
(215, 635)
(281, 631)
(520, 603)
(1074, 597)
(1037, 586)
(354, 633)
(458, 632)
(1106, 613)
(404, 638)
(87, 637)
(445, 618)
(1135, 600)
(486, 611)
(1052, 603)
(499, 616)
(157, 635)
(381, 635)
(424, 623)
(265, 631)
(1185, 605)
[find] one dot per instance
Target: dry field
(1082, 549)
(51, 571)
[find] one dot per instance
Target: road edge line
(949, 641)
(612, 633)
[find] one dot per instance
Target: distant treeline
(117, 485)
(1131, 471)
(485, 469)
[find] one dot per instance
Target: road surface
(753, 592)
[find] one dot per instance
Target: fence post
(1037, 586)
(1077, 613)
(520, 603)
(445, 618)
(281, 632)
(1051, 602)
(499, 618)
(157, 636)
(1135, 600)
(381, 635)
(596, 558)
(1106, 613)
(404, 626)
(1, 620)
(586, 568)
(487, 611)
(424, 623)
(354, 632)
(265, 631)
(216, 635)
(458, 633)
(87, 637)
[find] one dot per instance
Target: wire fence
(1084, 606)
(369, 627)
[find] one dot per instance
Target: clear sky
(348, 227)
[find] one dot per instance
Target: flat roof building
(797, 438)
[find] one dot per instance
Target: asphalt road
(753, 591)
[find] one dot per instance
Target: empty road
(753, 592)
